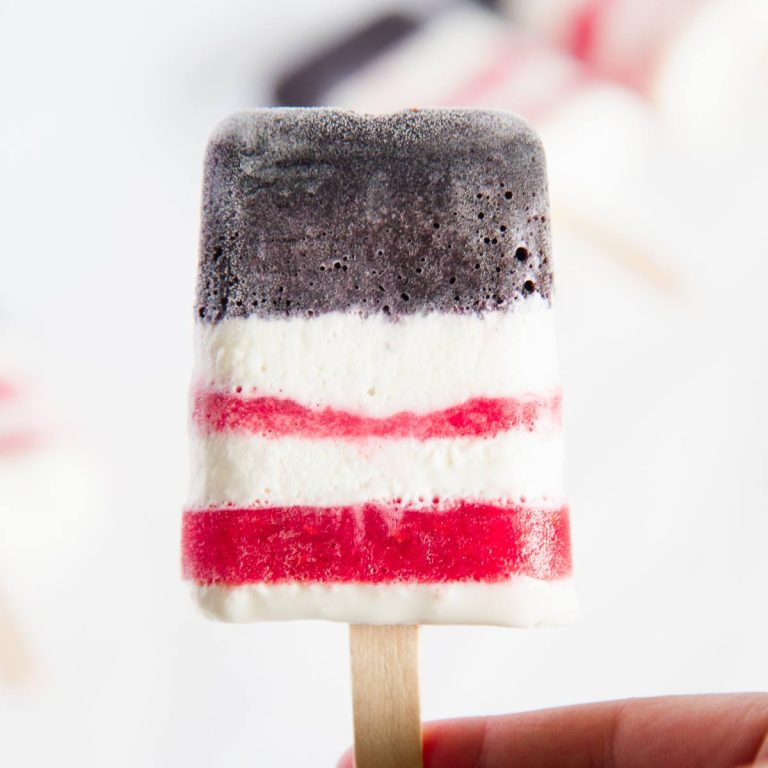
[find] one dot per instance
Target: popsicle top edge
(249, 126)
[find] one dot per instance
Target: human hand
(716, 731)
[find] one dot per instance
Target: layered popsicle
(376, 412)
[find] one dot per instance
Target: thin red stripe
(279, 417)
(375, 543)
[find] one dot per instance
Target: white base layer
(520, 602)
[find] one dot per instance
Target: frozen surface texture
(308, 211)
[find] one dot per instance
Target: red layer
(375, 543)
(277, 417)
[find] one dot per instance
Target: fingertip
(453, 743)
(346, 760)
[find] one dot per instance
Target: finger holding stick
(715, 731)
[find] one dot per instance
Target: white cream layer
(377, 366)
(519, 602)
(244, 470)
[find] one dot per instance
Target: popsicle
(376, 411)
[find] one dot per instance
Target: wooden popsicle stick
(385, 696)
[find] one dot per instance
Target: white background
(105, 109)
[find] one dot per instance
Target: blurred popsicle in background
(702, 63)
(620, 39)
(712, 85)
(49, 503)
(606, 151)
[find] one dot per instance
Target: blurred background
(654, 116)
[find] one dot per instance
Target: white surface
(377, 367)
(107, 109)
(518, 602)
(286, 471)
(727, 40)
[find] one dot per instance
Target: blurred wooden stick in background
(16, 667)
(621, 248)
